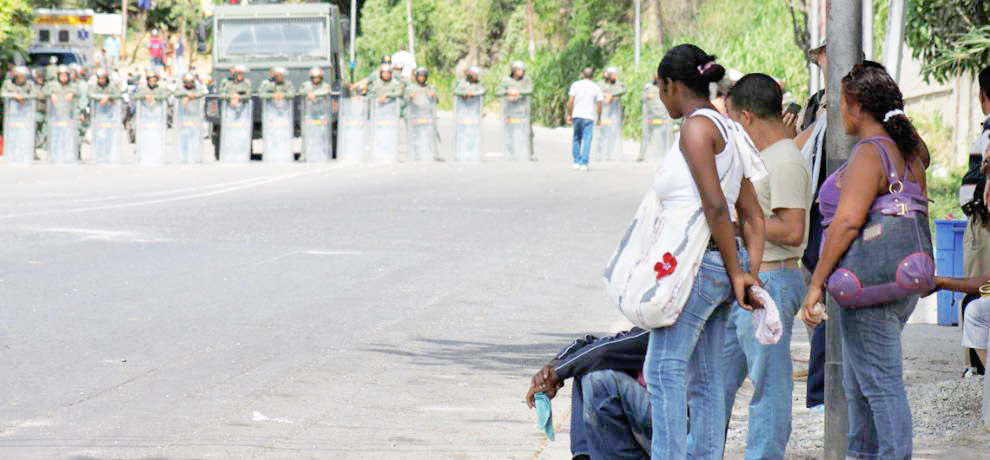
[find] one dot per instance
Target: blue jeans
(768, 367)
(616, 415)
(873, 380)
(583, 130)
(690, 350)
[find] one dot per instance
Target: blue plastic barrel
(949, 262)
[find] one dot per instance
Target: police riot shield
(235, 131)
(515, 126)
(421, 114)
(187, 127)
(385, 131)
(317, 117)
(467, 128)
(658, 133)
(350, 129)
(609, 134)
(107, 123)
(63, 132)
(18, 130)
(277, 131)
(150, 132)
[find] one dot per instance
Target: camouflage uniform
(56, 88)
(269, 87)
(230, 86)
(159, 92)
(27, 89)
(323, 89)
(655, 117)
(195, 92)
(466, 88)
(388, 89)
(616, 89)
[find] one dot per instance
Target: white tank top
(674, 183)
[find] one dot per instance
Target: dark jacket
(624, 352)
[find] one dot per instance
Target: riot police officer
(387, 86)
(361, 86)
(657, 120)
(316, 86)
(152, 91)
(104, 91)
(517, 85)
(611, 86)
(276, 87)
(470, 86)
(19, 87)
(421, 98)
(61, 88)
(190, 89)
(236, 87)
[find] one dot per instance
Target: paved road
(297, 311)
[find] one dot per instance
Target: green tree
(15, 28)
(949, 37)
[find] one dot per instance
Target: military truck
(260, 37)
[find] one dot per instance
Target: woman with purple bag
(876, 258)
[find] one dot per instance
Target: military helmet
(63, 69)
(473, 70)
(239, 68)
(422, 71)
(316, 72)
(75, 68)
(386, 59)
(101, 72)
(384, 67)
(279, 70)
(518, 65)
(151, 73)
(20, 70)
(612, 70)
(188, 76)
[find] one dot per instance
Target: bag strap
(895, 180)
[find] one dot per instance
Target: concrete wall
(957, 101)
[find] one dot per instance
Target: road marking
(103, 235)
(233, 188)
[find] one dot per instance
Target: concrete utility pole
(845, 35)
(815, 82)
(893, 42)
(352, 63)
(868, 29)
(639, 7)
(409, 26)
(123, 29)
(529, 27)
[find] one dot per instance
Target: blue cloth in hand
(544, 414)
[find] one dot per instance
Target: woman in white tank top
(688, 353)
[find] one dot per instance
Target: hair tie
(893, 113)
(702, 68)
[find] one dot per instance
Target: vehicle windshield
(41, 59)
(282, 39)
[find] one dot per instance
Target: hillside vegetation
(747, 35)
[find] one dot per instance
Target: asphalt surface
(298, 311)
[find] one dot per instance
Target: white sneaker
(577, 166)
(584, 167)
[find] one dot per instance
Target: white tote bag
(651, 274)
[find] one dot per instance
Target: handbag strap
(900, 199)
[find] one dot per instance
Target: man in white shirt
(785, 195)
(584, 109)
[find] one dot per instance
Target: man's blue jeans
(583, 130)
(768, 367)
(617, 415)
(690, 350)
(873, 380)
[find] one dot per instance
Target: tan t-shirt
(786, 187)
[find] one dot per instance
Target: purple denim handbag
(892, 256)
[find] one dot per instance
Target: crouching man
(610, 407)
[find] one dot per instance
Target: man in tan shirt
(784, 194)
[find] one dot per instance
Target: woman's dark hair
(985, 81)
(692, 66)
(875, 91)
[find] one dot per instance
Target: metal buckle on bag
(902, 209)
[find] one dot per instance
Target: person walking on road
(584, 109)
(515, 86)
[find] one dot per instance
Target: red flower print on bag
(666, 266)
